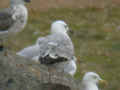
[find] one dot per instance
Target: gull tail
(47, 60)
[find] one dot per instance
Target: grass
(96, 38)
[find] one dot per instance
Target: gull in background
(13, 19)
(91, 80)
(54, 50)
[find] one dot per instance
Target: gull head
(92, 78)
(19, 1)
(59, 26)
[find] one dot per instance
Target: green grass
(96, 37)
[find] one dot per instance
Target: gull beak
(103, 82)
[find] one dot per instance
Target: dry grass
(44, 5)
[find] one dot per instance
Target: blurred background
(46, 4)
(96, 33)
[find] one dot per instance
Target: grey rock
(17, 73)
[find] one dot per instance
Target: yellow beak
(103, 82)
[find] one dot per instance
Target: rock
(17, 73)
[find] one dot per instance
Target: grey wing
(46, 45)
(65, 48)
(57, 45)
(30, 51)
(43, 45)
(6, 20)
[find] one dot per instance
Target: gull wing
(29, 52)
(56, 47)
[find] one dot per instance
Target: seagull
(55, 49)
(91, 80)
(13, 19)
